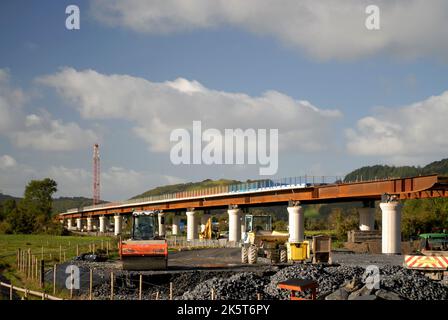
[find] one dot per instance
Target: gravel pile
(241, 286)
(328, 278)
(412, 284)
(197, 285)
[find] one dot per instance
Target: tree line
(33, 213)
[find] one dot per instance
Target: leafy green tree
(7, 207)
(280, 225)
(38, 197)
(33, 213)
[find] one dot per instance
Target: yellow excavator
(207, 233)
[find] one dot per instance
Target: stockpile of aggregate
(335, 282)
(412, 284)
(328, 278)
(241, 286)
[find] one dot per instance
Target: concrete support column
(176, 226)
(102, 224)
(234, 224)
(117, 224)
(192, 225)
(69, 223)
(161, 218)
(366, 219)
(78, 223)
(391, 227)
(89, 224)
(296, 224)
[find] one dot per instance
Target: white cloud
(323, 29)
(44, 133)
(11, 103)
(116, 182)
(6, 162)
(40, 132)
(156, 109)
(416, 131)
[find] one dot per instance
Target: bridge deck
(430, 186)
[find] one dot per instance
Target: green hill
(180, 187)
(383, 171)
(4, 197)
(62, 204)
(59, 204)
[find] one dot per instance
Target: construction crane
(145, 250)
(96, 174)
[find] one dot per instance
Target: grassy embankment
(56, 249)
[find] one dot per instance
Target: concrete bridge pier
(234, 224)
(78, 224)
(367, 216)
(102, 224)
(161, 219)
(89, 224)
(192, 225)
(176, 226)
(391, 226)
(69, 223)
(296, 223)
(117, 224)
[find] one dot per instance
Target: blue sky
(369, 81)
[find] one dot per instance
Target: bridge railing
(249, 186)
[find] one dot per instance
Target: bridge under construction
(291, 192)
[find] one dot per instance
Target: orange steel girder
(421, 187)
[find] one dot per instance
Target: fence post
(72, 280)
(91, 285)
(29, 263)
(77, 249)
(111, 286)
(54, 279)
(140, 287)
(32, 268)
(171, 291)
(10, 291)
(212, 294)
(42, 253)
(42, 273)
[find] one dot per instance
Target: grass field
(51, 249)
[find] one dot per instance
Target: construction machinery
(259, 240)
(208, 231)
(432, 257)
(145, 250)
